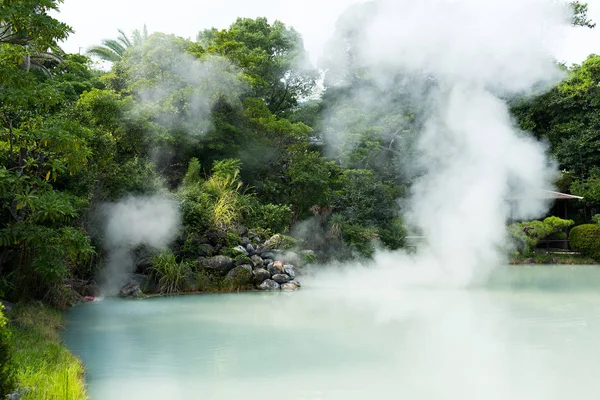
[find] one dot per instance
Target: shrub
(275, 218)
(7, 372)
(527, 235)
(586, 240)
(596, 219)
(170, 275)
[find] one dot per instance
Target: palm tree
(112, 49)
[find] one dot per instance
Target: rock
(267, 261)
(257, 261)
(218, 263)
(206, 250)
(250, 249)
(241, 249)
(265, 252)
(274, 241)
(215, 237)
(269, 284)
(260, 275)
(245, 241)
(281, 278)
(289, 269)
(292, 258)
(8, 306)
(88, 290)
(131, 290)
(242, 260)
(295, 282)
(241, 275)
(275, 268)
(289, 287)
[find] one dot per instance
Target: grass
(46, 370)
(171, 275)
(555, 258)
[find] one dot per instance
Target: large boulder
(269, 284)
(260, 275)
(281, 278)
(241, 275)
(218, 263)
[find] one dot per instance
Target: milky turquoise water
(532, 333)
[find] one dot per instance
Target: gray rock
(250, 249)
(260, 275)
(281, 278)
(267, 261)
(245, 241)
(131, 290)
(289, 269)
(206, 250)
(295, 282)
(289, 287)
(274, 241)
(292, 258)
(257, 261)
(218, 263)
(241, 275)
(265, 253)
(275, 268)
(269, 284)
(8, 306)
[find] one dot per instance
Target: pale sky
(315, 20)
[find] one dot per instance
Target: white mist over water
(471, 155)
(131, 222)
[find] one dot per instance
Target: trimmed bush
(7, 372)
(586, 240)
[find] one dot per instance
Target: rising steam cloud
(129, 223)
(471, 55)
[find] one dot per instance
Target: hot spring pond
(532, 333)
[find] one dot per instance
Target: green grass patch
(46, 370)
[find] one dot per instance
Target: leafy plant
(170, 275)
(526, 235)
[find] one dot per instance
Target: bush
(7, 371)
(527, 235)
(170, 275)
(586, 240)
(275, 218)
(596, 219)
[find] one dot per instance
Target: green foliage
(586, 240)
(7, 367)
(275, 218)
(170, 275)
(526, 235)
(596, 219)
(588, 188)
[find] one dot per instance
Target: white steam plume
(131, 222)
(471, 156)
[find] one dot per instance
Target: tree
(271, 55)
(113, 50)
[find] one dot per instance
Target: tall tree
(113, 49)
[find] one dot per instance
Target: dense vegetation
(235, 126)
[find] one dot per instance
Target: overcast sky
(315, 19)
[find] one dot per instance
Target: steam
(134, 221)
(460, 59)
